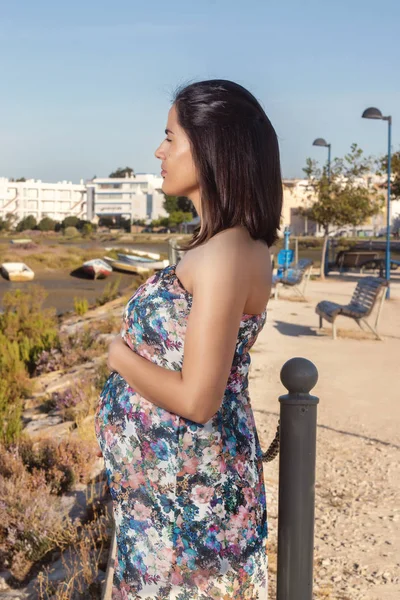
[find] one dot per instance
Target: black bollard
(298, 424)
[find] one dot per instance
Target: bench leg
(299, 292)
(374, 331)
(320, 322)
(333, 330)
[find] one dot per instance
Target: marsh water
(64, 285)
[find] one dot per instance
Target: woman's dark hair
(236, 154)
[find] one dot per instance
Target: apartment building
(135, 197)
(33, 197)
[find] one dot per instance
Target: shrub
(47, 224)
(102, 372)
(25, 322)
(28, 222)
(81, 306)
(75, 402)
(71, 232)
(30, 516)
(89, 555)
(14, 385)
(70, 222)
(72, 349)
(87, 229)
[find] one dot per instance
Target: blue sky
(86, 86)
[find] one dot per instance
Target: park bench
(379, 264)
(364, 299)
(353, 259)
(294, 277)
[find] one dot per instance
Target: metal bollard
(298, 423)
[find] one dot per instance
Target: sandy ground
(357, 542)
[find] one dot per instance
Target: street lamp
(322, 142)
(375, 113)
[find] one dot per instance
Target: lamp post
(322, 142)
(375, 113)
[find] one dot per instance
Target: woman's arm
(220, 289)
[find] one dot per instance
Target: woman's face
(177, 166)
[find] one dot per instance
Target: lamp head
(372, 113)
(320, 142)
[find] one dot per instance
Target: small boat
(21, 241)
(131, 257)
(152, 255)
(97, 268)
(137, 266)
(17, 271)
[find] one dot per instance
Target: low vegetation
(32, 479)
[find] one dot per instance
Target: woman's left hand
(113, 349)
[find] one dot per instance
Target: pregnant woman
(174, 420)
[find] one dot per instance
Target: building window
(110, 186)
(32, 193)
(109, 197)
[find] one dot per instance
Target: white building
(136, 197)
(33, 197)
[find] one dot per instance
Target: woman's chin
(169, 190)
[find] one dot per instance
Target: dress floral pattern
(188, 499)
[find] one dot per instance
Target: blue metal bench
(294, 277)
(361, 305)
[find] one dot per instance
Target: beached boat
(21, 241)
(152, 255)
(131, 257)
(17, 271)
(97, 268)
(131, 266)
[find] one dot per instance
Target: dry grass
(81, 563)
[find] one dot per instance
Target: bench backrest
(354, 258)
(296, 273)
(366, 294)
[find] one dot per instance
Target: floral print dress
(188, 499)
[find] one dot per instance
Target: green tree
(179, 203)
(186, 205)
(28, 222)
(395, 173)
(47, 224)
(122, 173)
(170, 204)
(345, 198)
(178, 217)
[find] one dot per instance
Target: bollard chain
(273, 449)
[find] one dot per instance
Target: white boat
(131, 257)
(17, 271)
(21, 241)
(136, 267)
(97, 268)
(152, 255)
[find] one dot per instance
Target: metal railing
(297, 434)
